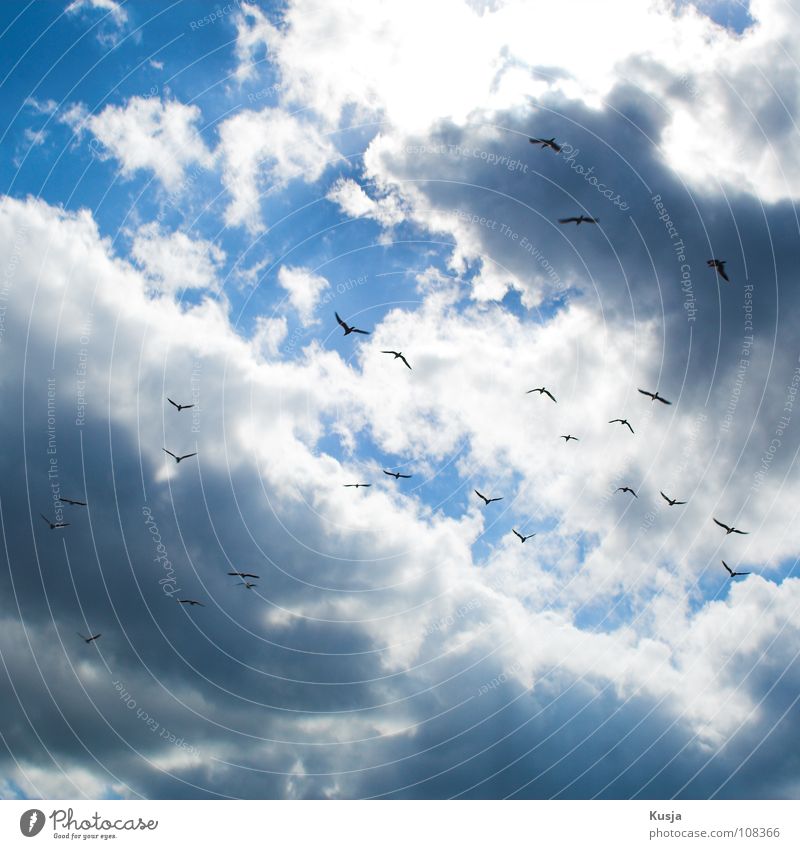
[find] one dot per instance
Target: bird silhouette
(180, 407)
(566, 437)
(182, 457)
(623, 422)
(248, 585)
(578, 219)
(348, 329)
(397, 355)
(542, 391)
(729, 529)
(627, 489)
(487, 500)
(719, 266)
(551, 143)
(521, 537)
(70, 501)
(88, 639)
(191, 602)
(243, 574)
(356, 485)
(731, 572)
(671, 501)
(654, 396)
(54, 525)
(395, 475)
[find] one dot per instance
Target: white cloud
(115, 10)
(354, 201)
(304, 288)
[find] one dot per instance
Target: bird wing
(611, 421)
(494, 499)
(566, 220)
(737, 531)
(404, 476)
(721, 524)
(391, 474)
(664, 497)
(629, 427)
(365, 332)
(681, 502)
(389, 352)
(549, 395)
(173, 403)
(727, 567)
(645, 392)
(46, 519)
(340, 321)
(518, 534)
(481, 496)
(723, 275)
(664, 400)
(404, 360)
(169, 452)
(744, 573)
(186, 456)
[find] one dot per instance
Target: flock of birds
(245, 577)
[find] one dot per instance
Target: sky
(191, 191)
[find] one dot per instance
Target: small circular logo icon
(31, 822)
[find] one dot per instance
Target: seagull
(70, 501)
(732, 573)
(88, 639)
(730, 530)
(348, 329)
(551, 143)
(521, 537)
(248, 585)
(488, 500)
(395, 475)
(243, 574)
(719, 266)
(542, 391)
(671, 501)
(357, 485)
(577, 219)
(622, 421)
(627, 489)
(182, 457)
(569, 436)
(54, 525)
(654, 396)
(397, 355)
(191, 602)
(180, 407)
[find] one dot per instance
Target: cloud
(304, 288)
(112, 22)
(354, 201)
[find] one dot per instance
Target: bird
(671, 501)
(568, 436)
(182, 457)
(70, 501)
(180, 407)
(243, 574)
(577, 219)
(54, 525)
(732, 573)
(719, 266)
(624, 422)
(627, 489)
(88, 639)
(397, 355)
(730, 530)
(348, 329)
(551, 143)
(191, 602)
(488, 500)
(521, 537)
(654, 396)
(542, 391)
(395, 475)
(357, 485)
(248, 585)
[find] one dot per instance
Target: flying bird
(356, 485)
(542, 391)
(88, 639)
(671, 501)
(730, 530)
(395, 475)
(488, 500)
(627, 489)
(521, 537)
(568, 436)
(654, 396)
(182, 457)
(191, 602)
(731, 572)
(577, 219)
(180, 407)
(70, 501)
(248, 585)
(551, 143)
(348, 329)
(624, 422)
(397, 355)
(719, 266)
(243, 574)
(54, 525)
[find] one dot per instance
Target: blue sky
(189, 194)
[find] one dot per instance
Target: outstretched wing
(356, 330)
(170, 453)
(743, 533)
(721, 524)
(728, 568)
(404, 360)
(173, 403)
(340, 321)
(186, 456)
(549, 395)
(645, 392)
(567, 220)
